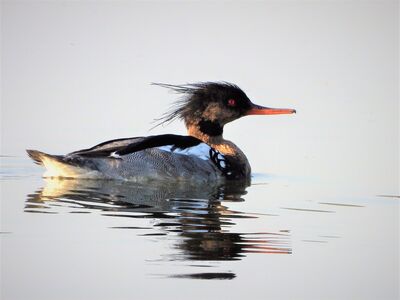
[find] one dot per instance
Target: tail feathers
(39, 157)
(63, 166)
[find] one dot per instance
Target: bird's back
(137, 159)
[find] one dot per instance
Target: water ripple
(196, 218)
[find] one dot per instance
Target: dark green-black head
(213, 103)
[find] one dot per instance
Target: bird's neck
(206, 131)
(239, 160)
(211, 134)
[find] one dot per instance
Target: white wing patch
(201, 151)
(115, 155)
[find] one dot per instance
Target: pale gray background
(76, 73)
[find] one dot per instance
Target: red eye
(231, 102)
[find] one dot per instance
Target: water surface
(280, 238)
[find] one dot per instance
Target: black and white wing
(178, 144)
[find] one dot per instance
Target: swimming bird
(202, 155)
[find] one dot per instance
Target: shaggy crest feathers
(193, 102)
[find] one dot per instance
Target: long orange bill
(261, 110)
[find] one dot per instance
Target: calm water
(280, 238)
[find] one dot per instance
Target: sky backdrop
(77, 73)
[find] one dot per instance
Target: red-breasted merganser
(202, 155)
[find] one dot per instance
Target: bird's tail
(59, 166)
(40, 157)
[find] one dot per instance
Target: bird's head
(211, 105)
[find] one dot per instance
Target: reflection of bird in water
(203, 155)
(121, 196)
(193, 213)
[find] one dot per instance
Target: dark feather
(193, 101)
(177, 141)
(107, 148)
